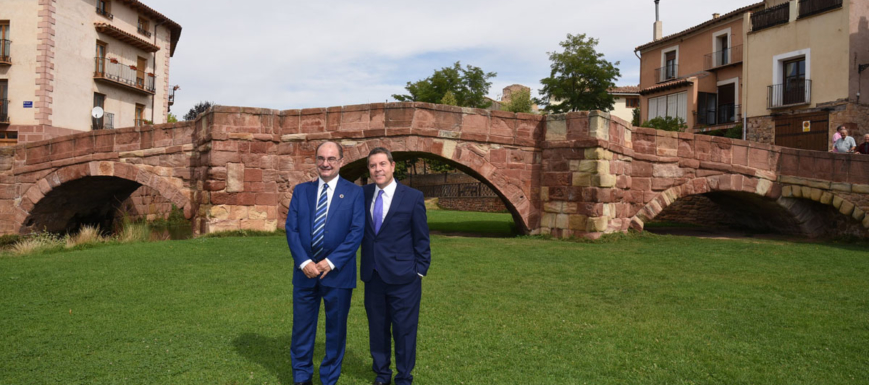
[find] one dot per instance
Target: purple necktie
(378, 211)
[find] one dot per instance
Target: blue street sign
(28, 104)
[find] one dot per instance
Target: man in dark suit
(324, 228)
(395, 258)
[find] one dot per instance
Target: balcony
(5, 52)
(666, 73)
(172, 94)
(143, 31)
(112, 72)
(4, 111)
(724, 57)
(791, 93)
(814, 7)
(142, 122)
(104, 13)
(770, 17)
(107, 122)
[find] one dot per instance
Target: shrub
(666, 123)
(38, 242)
(134, 232)
(87, 235)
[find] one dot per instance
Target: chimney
(716, 15)
(658, 31)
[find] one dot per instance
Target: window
(706, 108)
(4, 101)
(104, 7)
(8, 138)
(100, 59)
(140, 112)
(99, 101)
(675, 105)
(144, 27)
(5, 40)
(141, 64)
(670, 65)
(794, 81)
(632, 102)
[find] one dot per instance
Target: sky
(288, 54)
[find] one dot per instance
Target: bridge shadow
(273, 354)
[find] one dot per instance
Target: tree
(468, 85)
(520, 101)
(171, 118)
(449, 99)
(580, 78)
(636, 117)
(197, 109)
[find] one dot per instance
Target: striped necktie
(319, 224)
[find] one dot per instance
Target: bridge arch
(474, 159)
(780, 208)
(88, 185)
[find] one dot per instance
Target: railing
(144, 31)
(5, 51)
(791, 93)
(172, 95)
(458, 190)
(107, 122)
(4, 111)
(105, 13)
(123, 74)
(770, 17)
(725, 113)
(142, 122)
(724, 57)
(668, 72)
(813, 7)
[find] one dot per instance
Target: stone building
(60, 59)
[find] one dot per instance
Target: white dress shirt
(329, 193)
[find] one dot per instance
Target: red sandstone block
(254, 187)
(246, 199)
(641, 184)
(214, 185)
(740, 155)
(312, 122)
(641, 169)
(224, 145)
(659, 184)
(267, 199)
(624, 182)
(72, 173)
(398, 116)
(219, 198)
(502, 126)
(253, 175)
(689, 163)
(716, 166)
(261, 147)
(221, 158)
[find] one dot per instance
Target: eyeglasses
(331, 160)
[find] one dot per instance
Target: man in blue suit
(324, 228)
(395, 258)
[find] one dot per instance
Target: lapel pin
(341, 196)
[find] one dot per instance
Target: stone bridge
(580, 174)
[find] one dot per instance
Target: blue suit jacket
(344, 224)
(401, 248)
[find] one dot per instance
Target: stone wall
(697, 210)
(146, 204)
(761, 129)
(854, 116)
(480, 204)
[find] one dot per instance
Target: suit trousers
(396, 307)
(306, 308)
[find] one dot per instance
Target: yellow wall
(21, 75)
(825, 37)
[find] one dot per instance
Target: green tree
(171, 118)
(197, 109)
(468, 85)
(636, 119)
(580, 78)
(519, 102)
(449, 99)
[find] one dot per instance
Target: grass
(645, 309)
(466, 222)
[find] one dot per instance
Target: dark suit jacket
(401, 248)
(344, 224)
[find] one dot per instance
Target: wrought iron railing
(101, 11)
(107, 122)
(457, 190)
(142, 122)
(144, 31)
(122, 73)
(770, 17)
(728, 113)
(791, 93)
(4, 111)
(812, 7)
(172, 95)
(6, 51)
(668, 72)
(724, 57)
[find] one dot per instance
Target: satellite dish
(97, 112)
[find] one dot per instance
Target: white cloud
(293, 54)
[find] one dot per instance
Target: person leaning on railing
(837, 136)
(863, 148)
(845, 143)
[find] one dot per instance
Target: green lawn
(465, 222)
(644, 310)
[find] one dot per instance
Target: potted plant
(132, 67)
(113, 60)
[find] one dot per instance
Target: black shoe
(381, 383)
(303, 383)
